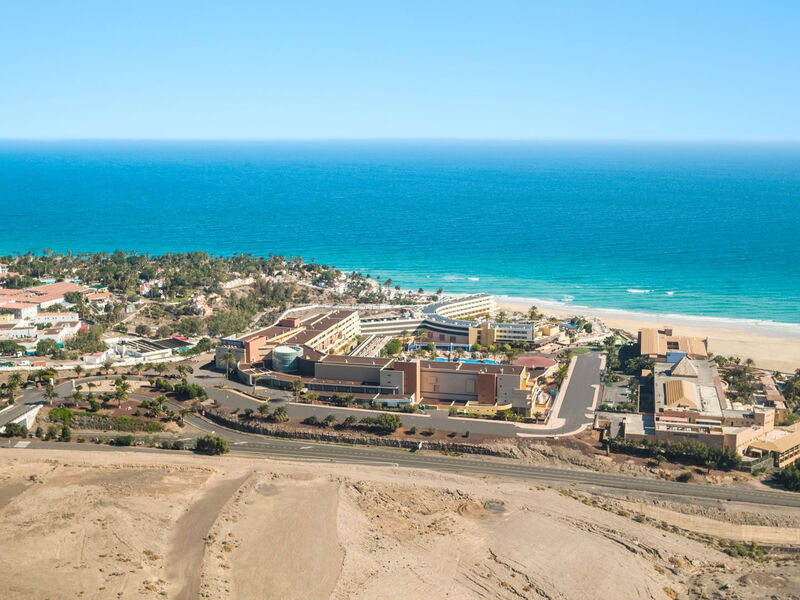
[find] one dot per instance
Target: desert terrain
(113, 524)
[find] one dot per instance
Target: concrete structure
(284, 358)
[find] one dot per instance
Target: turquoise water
(703, 229)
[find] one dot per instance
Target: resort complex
(325, 352)
(683, 397)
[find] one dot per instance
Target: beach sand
(771, 346)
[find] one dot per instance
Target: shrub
(66, 434)
(211, 444)
(121, 440)
(16, 430)
(61, 415)
(388, 423)
(790, 477)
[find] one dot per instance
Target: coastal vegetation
(689, 452)
(790, 477)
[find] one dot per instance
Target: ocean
(704, 229)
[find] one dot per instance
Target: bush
(189, 391)
(790, 477)
(66, 434)
(690, 452)
(122, 440)
(16, 430)
(388, 423)
(61, 415)
(684, 477)
(211, 444)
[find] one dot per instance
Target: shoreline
(772, 345)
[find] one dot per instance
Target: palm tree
(263, 409)
(297, 387)
(14, 383)
(161, 368)
(281, 415)
(120, 395)
(77, 397)
(184, 370)
(749, 362)
(228, 359)
(537, 415)
(78, 370)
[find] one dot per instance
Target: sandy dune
(145, 525)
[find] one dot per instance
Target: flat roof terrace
(341, 359)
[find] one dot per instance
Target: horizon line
(703, 140)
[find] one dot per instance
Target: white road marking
(21, 444)
(306, 447)
(238, 443)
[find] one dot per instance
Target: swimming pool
(470, 360)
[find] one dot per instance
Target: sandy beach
(772, 346)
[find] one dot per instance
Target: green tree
(16, 430)
(12, 385)
(388, 422)
(297, 388)
(212, 445)
(393, 347)
(66, 434)
(46, 347)
(229, 361)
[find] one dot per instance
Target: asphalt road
(22, 406)
(252, 445)
(580, 393)
(578, 398)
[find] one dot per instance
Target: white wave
(670, 293)
(754, 326)
(567, 298)
(474, 278)
(637, 291)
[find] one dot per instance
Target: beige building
(659, 343)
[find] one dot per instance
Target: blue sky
(402, 69)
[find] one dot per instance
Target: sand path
(289, 546)
(185, 557)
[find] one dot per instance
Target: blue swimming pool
(470, 360)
